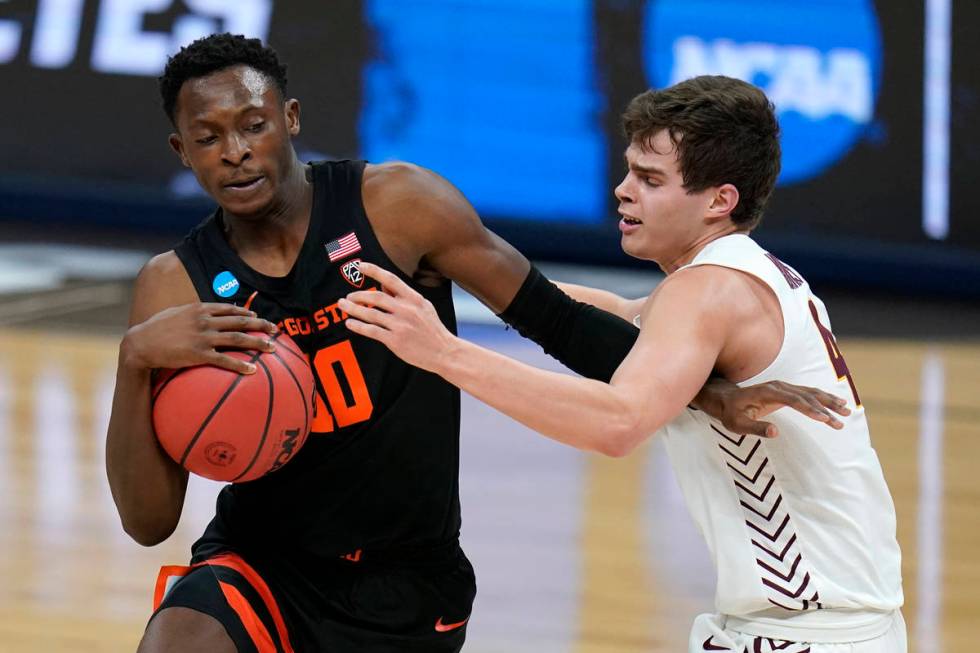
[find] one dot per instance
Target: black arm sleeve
(588, 340)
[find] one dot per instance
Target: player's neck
(277, 234)
(694, 248)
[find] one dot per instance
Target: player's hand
(400, 318)
(183, 336)
(740, 409)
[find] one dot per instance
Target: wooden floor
(571, 550)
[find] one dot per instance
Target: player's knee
(183, 630)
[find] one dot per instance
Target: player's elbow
(146, 532)
(622, 438)
(147, 525)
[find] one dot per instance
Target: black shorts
(362, 603)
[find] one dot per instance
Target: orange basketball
(236, 427)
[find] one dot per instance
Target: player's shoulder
(708, 280)
(162, 268)
(703, 291)
(161, 283)
(403, 182)
(394, 177)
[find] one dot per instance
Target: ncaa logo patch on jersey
(351, 272)
(225, 284)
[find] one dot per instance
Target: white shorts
(709, 634)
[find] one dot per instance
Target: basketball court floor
(574, 553)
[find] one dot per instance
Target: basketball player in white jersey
(801, 527)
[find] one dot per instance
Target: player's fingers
(390, 283)
(370, 299)
(756, 427)
(831, 401)
(828, 417)
(220, 308)
(803, 403)
(241, 323)
(231, 363)
(365, 313)
(368, 330)
(239, 340)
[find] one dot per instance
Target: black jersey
(380, 470)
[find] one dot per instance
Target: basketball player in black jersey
(352, 546)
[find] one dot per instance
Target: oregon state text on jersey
(380, 469)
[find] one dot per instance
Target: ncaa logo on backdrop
(225, 284)
(819, 63)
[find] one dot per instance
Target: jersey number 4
(836, 358)
(343, 384)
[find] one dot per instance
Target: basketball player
(352, 546)
(802, 527)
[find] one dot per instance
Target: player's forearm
(587, 339)
(147, 486)
(603, 299)
(582, 413)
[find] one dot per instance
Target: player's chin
(631, 245)
(253, 204)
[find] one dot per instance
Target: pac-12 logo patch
(225, 284)
(351, 271)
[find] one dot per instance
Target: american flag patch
(343, 246)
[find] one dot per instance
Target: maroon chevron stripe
(709, 645)
(787, 577)
(789, 592)
(758, 472)
(722, 434)
(780, 583)
(758, 443)
(815, 599)
(774, 536)
(779, 557)
(762, 497)
(775, 507)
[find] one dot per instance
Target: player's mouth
(628, 224)
(245, 184)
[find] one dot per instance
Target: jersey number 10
(343, 384)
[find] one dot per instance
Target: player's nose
(624, 191)
(237, 150)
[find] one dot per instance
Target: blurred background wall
(517, 102)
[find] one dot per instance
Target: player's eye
(257, 127)
(207, 140)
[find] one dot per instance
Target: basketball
(234, 427)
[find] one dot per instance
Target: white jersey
(801, 527)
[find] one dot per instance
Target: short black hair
(725, 131)
(213, 53)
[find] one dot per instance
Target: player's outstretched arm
(621, 307)
(671, 361)
(450, 238)
(169, 328)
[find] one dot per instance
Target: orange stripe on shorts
(253, 624)
(166, 573)
(236, 563)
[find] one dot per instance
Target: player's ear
(723, 202)
(292, 116)
(177, 146)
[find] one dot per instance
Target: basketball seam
(156, 395)
(299, 388)
(268, 420)
(295, 355)
(214, 411)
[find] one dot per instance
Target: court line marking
(60, 302)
